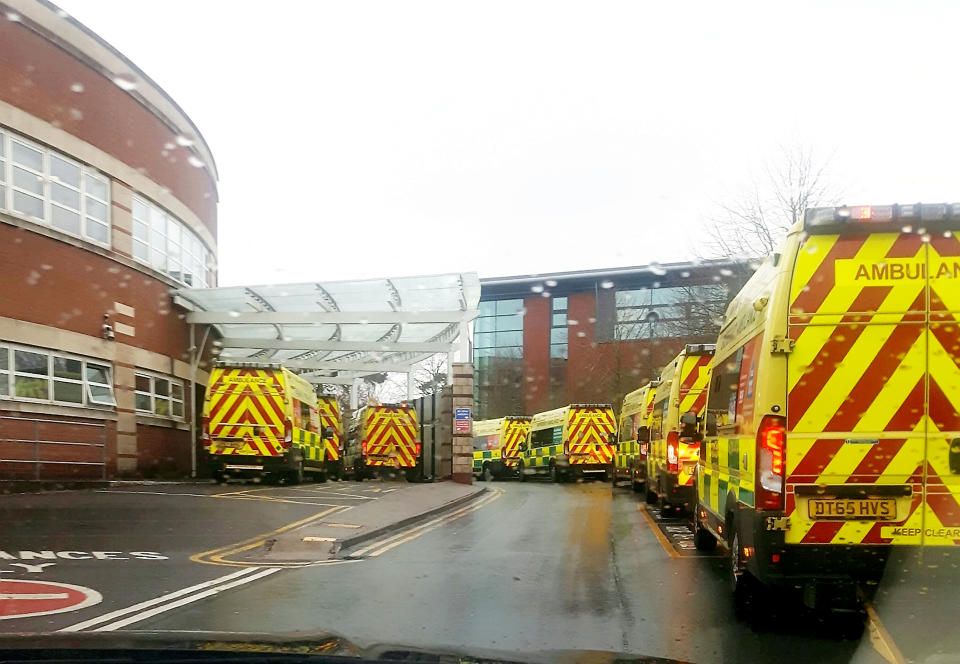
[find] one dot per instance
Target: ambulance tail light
(287, 434)
(673, 461)
(363, 448)
(416, 450)
(771, 462)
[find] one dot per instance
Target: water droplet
(13, 16)
(545, 294)
(234, 314)
(947, 234)
(551, 282)
(195, 161)
(656, 269)
(76, 114)
(125, 82)
(537, 289)
(606, 284)
(581, 334)
(76, 87)
(184, 141)
(685, 274)
(46, 266)
(907, 229)
(572, 321)
(591, 320)
(725, 272)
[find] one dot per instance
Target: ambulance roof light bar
(831, 216)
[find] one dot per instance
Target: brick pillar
(443, 434)
(462, 440)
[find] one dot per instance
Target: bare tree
(430, 376)
(753, 225)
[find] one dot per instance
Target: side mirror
(643, 434)
(690, 419)
(329, 433)
(711, 424)
(523, 447)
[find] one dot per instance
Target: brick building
(544, 341)
(108, 199)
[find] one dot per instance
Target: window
(558, 329)
(35, 374)
(49, 187)
(545, 437)
(163, 242)
(158, 395)
(498, 331)
(650, 313)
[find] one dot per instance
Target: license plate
(231, 444)
(853, 509)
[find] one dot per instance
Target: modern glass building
(543, 341)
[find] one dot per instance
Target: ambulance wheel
(486, 475)
(321, 476)
(520, 476)
(295, 476)
(219, 478)
(703, 539)
(744, 588)
(554, 475)
(652, 496)
(357, 474)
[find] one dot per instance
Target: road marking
(413, 532)
(880, 638)
(218, 556)
(327, 524)
(154, 493)
(157, 600)
(138, 617)
(20, 598)
(664, 542)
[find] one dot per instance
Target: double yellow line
(222, 555)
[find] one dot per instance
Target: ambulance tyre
(295, 476)
(652, 496)
(747, 591)
(520, 475)
(703, 539)
(487, 474)
(219, 477)
(320, 477)
(554, 474)
(638, 486)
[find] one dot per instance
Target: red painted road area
(21, 598)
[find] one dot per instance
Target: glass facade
(657, 313)
(163, 242)
(498, 358)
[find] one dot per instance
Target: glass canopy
(347, 329)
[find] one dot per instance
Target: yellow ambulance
(674, 437)
(331, 427)
(570, 443)
(833, 420)
(496, 446)
(389, 442)
(633, 439)
(261, 420)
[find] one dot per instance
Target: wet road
(535, 567)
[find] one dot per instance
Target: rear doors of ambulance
(873, 379)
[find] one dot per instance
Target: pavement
(527, 568)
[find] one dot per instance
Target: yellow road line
(218, 556)
(664, 542)
(880, 638)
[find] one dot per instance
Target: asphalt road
(530, 568)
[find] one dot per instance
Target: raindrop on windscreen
(606, 284)
(656, 269)
(184, 141)
(196, 162)
(76, 114)
(76, 87)
(12, 16)
(572, 321)
(537, 289)
(685, 274)
(125, 82)
(947, 234)
(907, 229)
(591, 320)
(581, 334)
(234, 314)
(551, 282)
(725, 272)
(545, 294)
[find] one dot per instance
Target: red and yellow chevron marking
(874, 384)
(391, 435)
(694, 376)
(515, 432)
(329, 409)
(246, 406)
(588, 435)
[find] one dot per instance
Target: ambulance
(261, 420)
(496, 446)
(633, 440)
(832, 425)
(570, 443)
(331, 427)
(674, 437)
(389, 442)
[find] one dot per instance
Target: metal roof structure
(339, 332)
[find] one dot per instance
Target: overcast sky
(365, 139)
